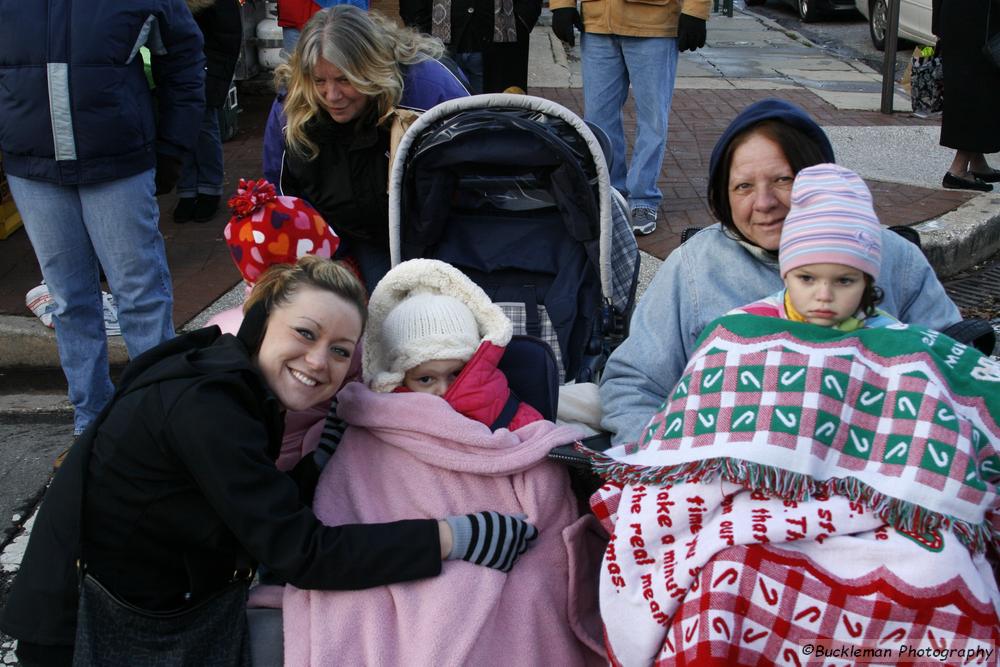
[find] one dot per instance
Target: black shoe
(184, 211)
(953, 182)
(205, 208)
(990, 176)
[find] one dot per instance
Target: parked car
(812, 10)
(914, 20)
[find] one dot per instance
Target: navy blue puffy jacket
(75, 107)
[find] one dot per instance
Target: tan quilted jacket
(635, 18)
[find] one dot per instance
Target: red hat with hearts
(268, 229)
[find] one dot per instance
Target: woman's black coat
(222, 26)
(505, 64)
(347, 181)
(971, 117)
(181, 481)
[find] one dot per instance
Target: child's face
(433, 377)
(825, 294)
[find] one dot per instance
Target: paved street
(844, 34)
(28, 445)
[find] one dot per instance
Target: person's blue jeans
(289, 40)
(72, 228)
(201, 172)
(609, 64)
(373, 259)
(472, 64)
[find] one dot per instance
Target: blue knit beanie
(770, 109)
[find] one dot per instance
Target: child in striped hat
(830, 254)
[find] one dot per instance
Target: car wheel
(878, 21)
(808, 10)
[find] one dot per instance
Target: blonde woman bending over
(350, 88)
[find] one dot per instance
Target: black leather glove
(168, 172)
(490, 539)
(690, 33)
(564, 20)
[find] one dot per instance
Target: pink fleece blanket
(413, 456)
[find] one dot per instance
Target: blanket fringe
(900, 514)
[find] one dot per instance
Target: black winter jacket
(222, 27)
(75, 106)
(347, 181)
(181, 479)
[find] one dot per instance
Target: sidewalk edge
(27, 343)
(962, 238)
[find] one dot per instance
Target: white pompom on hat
(425, 310)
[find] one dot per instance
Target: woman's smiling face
(307, 348)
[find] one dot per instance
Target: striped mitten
(333, 433)
(490, 538)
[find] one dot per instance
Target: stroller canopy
(514, 191)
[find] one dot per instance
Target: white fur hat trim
(416, 335)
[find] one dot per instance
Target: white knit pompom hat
(424, 310)
(428, 326)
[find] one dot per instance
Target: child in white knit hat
(432, 330)
(830, 254)
(430, 337)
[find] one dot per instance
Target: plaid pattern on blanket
(767, 603)
(716, 574)
(901, 418)
(515, 313)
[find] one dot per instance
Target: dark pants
(43, 655)
(373, 260)
(506, 64)
(267, 646)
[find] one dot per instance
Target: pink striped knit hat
(831, 221)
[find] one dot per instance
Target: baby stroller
(514, 190)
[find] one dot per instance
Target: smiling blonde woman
(170, 500)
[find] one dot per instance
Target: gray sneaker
(643, 220)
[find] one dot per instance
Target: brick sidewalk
(698, 118)
(202, 270)
(199, 261)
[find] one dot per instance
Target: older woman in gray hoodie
(736, 260)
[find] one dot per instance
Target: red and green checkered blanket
(901, 418)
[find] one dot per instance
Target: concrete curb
(27, 343)
(30, 408)
(964, 237)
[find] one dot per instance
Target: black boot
(184, 211)
(205, 208)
